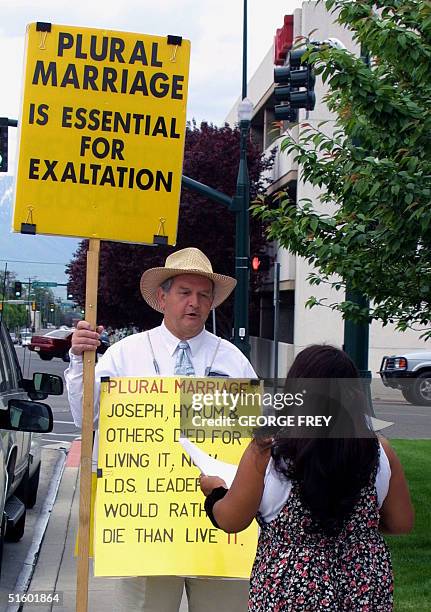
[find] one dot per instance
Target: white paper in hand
(208, 465)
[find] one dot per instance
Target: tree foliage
(375, 167)
(17, 315)
(211, 157)
(13, 315)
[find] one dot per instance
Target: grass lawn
(411, 554)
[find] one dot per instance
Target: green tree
(13, 315)
(375, 166)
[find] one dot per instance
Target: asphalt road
(410, 421)
(64, 428)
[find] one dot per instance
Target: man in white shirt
(184, 290)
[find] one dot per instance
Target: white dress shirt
(133, 356)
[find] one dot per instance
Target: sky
(214, 28)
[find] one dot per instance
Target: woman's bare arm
(238, 508)
(396, 513)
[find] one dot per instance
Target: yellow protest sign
(102, 130)
(149, 514)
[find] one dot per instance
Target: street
(409, 421)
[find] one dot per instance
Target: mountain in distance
(37, 257)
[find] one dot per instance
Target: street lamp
(242, 242)
(245, 111)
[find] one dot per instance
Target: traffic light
(18, 289)
(3, 146)
(295, 86)
(33, 306)
(261, 263)
(52, 307)
(69, 291)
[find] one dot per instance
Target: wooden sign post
(87, 431)
(101, 146)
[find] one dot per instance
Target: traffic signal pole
(357, 335)
(208, 192)
(5, 123)
(29, 306)
(239, 204)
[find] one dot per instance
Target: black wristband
(211, 499)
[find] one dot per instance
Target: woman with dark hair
(320, 503)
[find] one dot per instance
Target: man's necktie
(183, 365)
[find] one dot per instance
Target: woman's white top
(277, 487)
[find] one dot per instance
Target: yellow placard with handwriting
(149, 513)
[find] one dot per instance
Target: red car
(57, 343)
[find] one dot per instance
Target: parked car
(19, 417)
(25, 338)
(411, 373)
(57, 343)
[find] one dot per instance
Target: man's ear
(161, 299)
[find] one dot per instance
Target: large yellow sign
(102, 131)
(149, 514)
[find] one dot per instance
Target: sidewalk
(55, 571)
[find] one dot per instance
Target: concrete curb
(26, 574)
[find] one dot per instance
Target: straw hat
(185, 261)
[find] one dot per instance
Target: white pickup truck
(411, 373)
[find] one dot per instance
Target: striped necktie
(183, 365)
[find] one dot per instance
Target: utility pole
(4, 293)
(29, 305)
